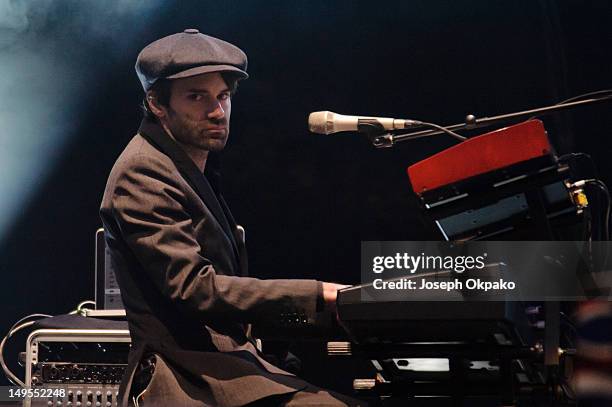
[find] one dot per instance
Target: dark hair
(163, 90)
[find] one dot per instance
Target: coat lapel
(156, 135)
(242, 254)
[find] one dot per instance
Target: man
(178, 255)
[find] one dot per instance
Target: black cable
(388, 140)
(441, 128)
(604, 189)
(577, 98)
(39, 316)
(17, 326)
(588, 224)
(584, 95)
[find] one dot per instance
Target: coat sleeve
(150, 211)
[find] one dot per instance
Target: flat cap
(187, 54)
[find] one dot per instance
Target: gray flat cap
(187, 54)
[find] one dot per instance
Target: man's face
(199, 111)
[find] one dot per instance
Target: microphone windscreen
(317, 122)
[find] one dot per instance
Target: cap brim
(198, 70)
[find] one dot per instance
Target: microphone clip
(383, 141)
(373, 131)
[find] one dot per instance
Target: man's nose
(217, 112)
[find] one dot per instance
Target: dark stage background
(306, 201)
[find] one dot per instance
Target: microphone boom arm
(471, 122)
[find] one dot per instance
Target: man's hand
(330, 293)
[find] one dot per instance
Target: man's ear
(156, 108)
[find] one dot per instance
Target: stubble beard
(190, 133)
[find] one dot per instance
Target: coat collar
(158, 137)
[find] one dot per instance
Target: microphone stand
(471, 122)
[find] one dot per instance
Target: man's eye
(224, 96)
(196, 97)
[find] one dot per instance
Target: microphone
(329, 123)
